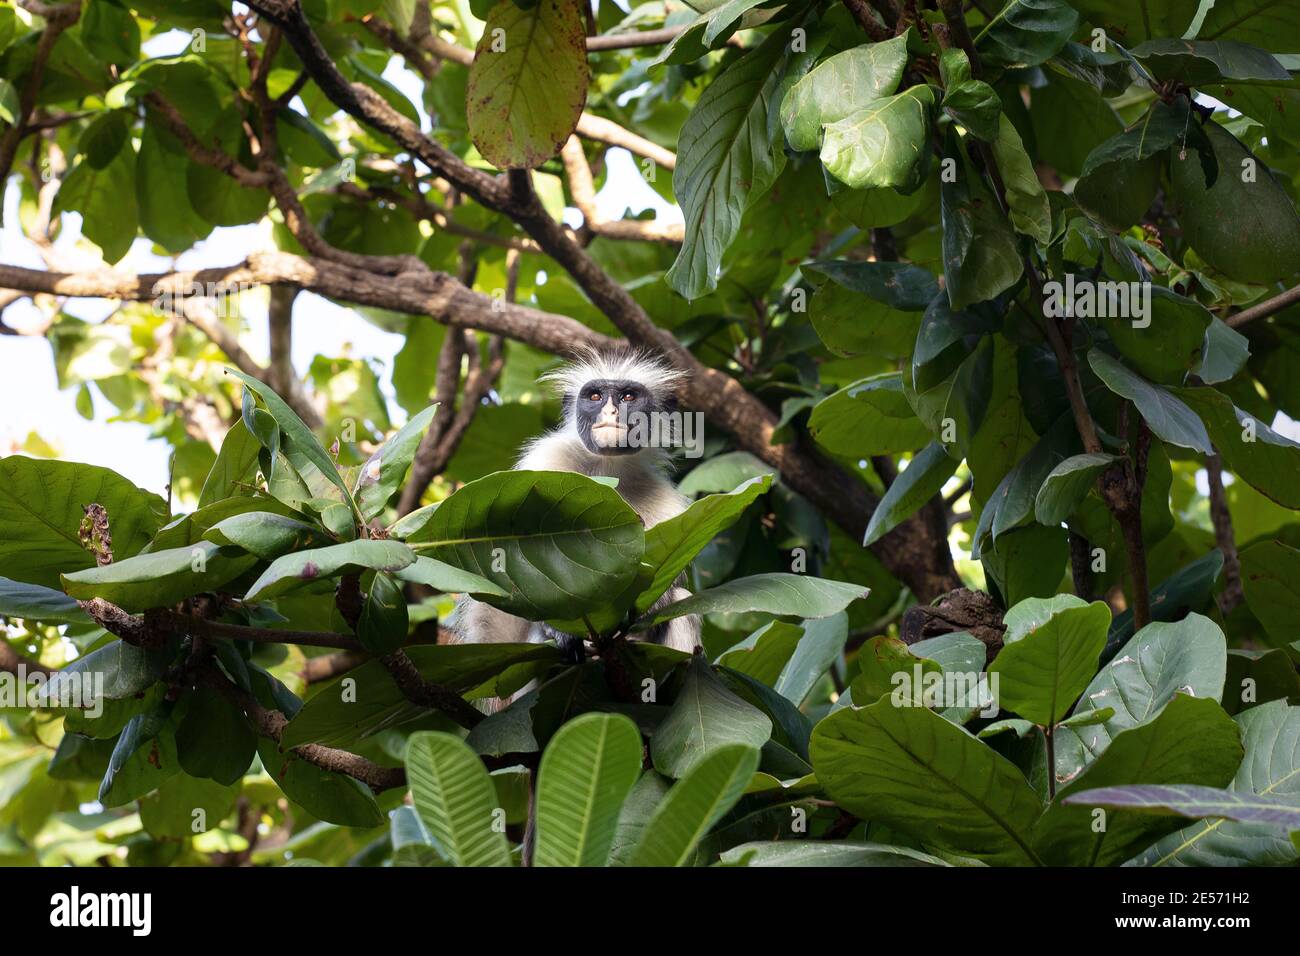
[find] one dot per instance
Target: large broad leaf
(838, 86)
(1047, 666)
(383, 472)
(1014, 500)
(1068, 484)
(33, 602)
(922, 479)
(1269, 25)
(560, 544)
(972, 103)
(869, 307)
(447, 579)
(588, 769)
(980, 256)
(1248, 230)
(1271, 768)
(1190, 588)
(821, 853)
(765, 653)
(821, 646)
(298, 443)
(160, 578)
(455, 798)
(705, 717)
(1031, 213)
(528, 82)
(265, 534)
(793, 595)
(1161, 660)
(213, 739)
(870, 417)
(301, 568)
(1190, 741)
(41, 506)
(1270, 578)
(1167, 416)
(1027, 32)
(884, 144)
(234, 467)
(384, 621)
(1130, 23)
(1199, 62)
(329, 796)
(909, 768)
(1165, 344)
(694, 805)
(1269, 462)
(727, 157)
(1188, 800)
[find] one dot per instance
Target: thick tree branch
(426, 693)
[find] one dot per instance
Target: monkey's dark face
(605, 410)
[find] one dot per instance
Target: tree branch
(1224, 536)
(58, 17)
(583, 190)
(1266, 308)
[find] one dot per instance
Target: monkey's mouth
(608, 434)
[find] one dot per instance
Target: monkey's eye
(629, 396)
(593, 397)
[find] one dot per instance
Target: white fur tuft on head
(651, 371)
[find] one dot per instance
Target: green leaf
(822, 853)
(869, 417)
(1015, 498)
(1224, 354)
(777, 592)
(303, 141)
(1187, 800)
(213, 738)
(1132, 23)
(972, 103)
(1031, 214)
(910, 769)
(384, 621)
(1271, 768)
(528, 82)
(106, 200)
(35, 602)
(727, 158)
(1248, 230)
(144, 757)
(298, 443)
(301, 568)
(1167, 416)
(170, 812)
(447, 579)
(765, 653)
(1200, 62)
(332, 797)
(102, 140)
(1067, 485)
(922, 479)
(162, 192)
(1264, 459)
(560, 544)
(110, 32)
(159, 578)
(265, 534)
(1027, 32)
(840, 85)
(1159, 661)
(704, 718)
(383, 472)
(1165, 344)
(980, 258)
(694, 805)
(235, 465)
(822, 644)
(866, 307)
(1270, 579)
(883, 144)
(1250, 21)
(1046, 667)
(1189, 741)
(455, 798)
(587, 771)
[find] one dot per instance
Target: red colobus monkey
(612, 402)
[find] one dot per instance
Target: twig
(1224, 536)
(1266, 308)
